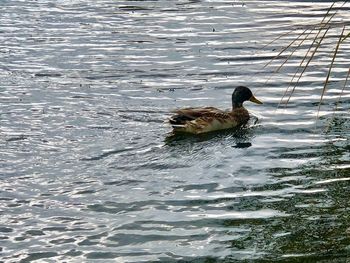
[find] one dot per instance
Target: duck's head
(242, 94)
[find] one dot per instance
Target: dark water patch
(73, 253)
(106, 154)
(101, 127)
(64, 219)
(242, 145)
(62, 241)
(127, 239)
(247, 58)
(157, 166)
(140, 41)
(38, 255)
(87, 242)
(103, 76)
(133, 8)
(87, 182)
(81, 97)
(125, 182)
(35, 232)
(6, 230)
(102, 255)
(55, 229)
(157, 75)
(85, 192)
(208, 187)
(19, 138)
(48, 74)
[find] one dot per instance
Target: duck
(209, 119)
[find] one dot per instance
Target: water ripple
(90, 173)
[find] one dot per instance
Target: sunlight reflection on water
(89, 171)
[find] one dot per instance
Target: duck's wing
(182, 116)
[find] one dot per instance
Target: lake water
(89, 173)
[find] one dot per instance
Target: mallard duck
(207, 119)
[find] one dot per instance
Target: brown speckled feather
(201, 120)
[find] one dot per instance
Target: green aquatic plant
(329, 33)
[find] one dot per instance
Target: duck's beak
(255, 100)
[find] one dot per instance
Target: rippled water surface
(87, 168)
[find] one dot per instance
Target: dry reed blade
(342, 91)
(329, 71)
(295, 49)
(290, 44)
(337, 103)
(307, 53)
(305, 67)
(289, 56)
(345, 37)
(322, 25)
(277, 38)
(283, 50)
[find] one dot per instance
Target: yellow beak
(255, 100)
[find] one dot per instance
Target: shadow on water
(241, 137)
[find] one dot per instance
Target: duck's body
(207, 119)
(202, 120)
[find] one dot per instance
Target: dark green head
(242, 94)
